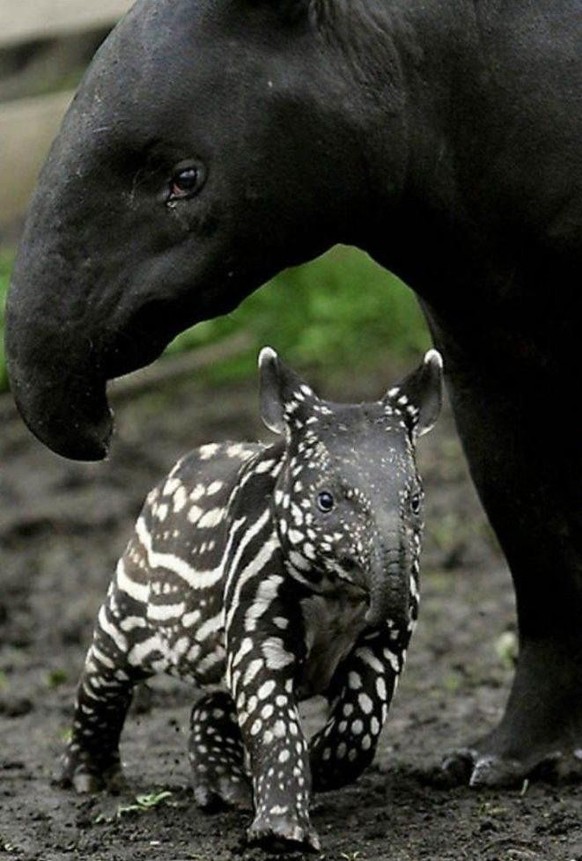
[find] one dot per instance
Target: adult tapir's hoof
(481, 769)
(279, 833)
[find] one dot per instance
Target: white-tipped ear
(420, 395)
(430, 391)
(272, 408)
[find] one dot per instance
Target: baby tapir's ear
(282, 391)
(420, 395)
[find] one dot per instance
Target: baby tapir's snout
(390, 578)
(276, 572)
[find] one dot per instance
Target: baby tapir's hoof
(86, 778)
(279, 833)
(216, 755)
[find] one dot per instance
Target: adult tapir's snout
(206, 150)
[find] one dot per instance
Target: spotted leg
(265, 646)
(360, 694)
(91, 760)
(217, 754)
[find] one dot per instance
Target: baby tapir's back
(167, 595)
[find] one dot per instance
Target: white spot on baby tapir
(211, 518)
(244, 649)
(381, 688)
(205, 452)
(180, 498)
(392, 660)
(161, 511)
(266, 689)
(238, 450)
(365, 703)
(264, 466)
(214, 488)
(195, 513)
(275, 653)
(253, 669)
(295, 537)
(197, 493)
(171, 486)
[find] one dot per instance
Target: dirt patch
(62, 527)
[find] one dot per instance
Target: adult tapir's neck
(418, 65)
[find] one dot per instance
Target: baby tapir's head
(348, 502)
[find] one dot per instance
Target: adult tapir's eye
(186, 182)
(325, 501)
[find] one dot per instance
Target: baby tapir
(276, 572)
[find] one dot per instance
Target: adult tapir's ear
(420, 395)
(282, 391)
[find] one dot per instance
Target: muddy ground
(62, 526)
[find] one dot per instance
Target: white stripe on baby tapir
(138, 591)
(276, 655)
(266, 594)
(248, 536)
(209, 627)
(194, 577)
(254, 567)
(165, 612)
(140, 652)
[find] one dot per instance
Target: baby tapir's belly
(333, 623)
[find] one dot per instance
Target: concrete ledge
(27, 128)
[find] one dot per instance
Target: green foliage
(56, 678)
(341, 310)
(142, 804)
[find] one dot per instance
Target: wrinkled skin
(444, 139)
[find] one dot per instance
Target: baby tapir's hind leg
(361, 691)
(217, 754)
(91, 760)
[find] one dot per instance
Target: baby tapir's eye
(415, 501)
(325, 501)
(186, 182)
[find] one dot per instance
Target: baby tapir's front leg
(216, 754)
(360, 694)
(265, 649)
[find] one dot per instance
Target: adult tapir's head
(211, 144)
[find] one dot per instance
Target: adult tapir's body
(216, 141)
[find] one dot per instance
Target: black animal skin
(214, 142)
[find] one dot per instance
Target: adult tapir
(214, 142)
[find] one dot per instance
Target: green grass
(341, 312)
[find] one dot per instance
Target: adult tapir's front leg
(265, 649)
(360, 694)
(525, 455)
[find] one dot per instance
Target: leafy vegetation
(341, 310)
